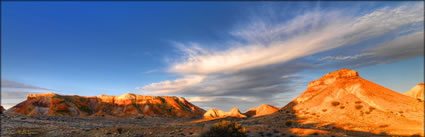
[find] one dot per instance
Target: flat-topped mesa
(105, 105)
(342, 73)
(331, 77)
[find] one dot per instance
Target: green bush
(225, 129)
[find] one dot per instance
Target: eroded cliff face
(344, 98)
(126, 105)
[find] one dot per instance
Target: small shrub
(288, 123)
(358, 106)
(269, 134)
(261, 133)
(416, 135)
(63, 111)
(86, 109)
(371, 109)
(342, 107)
(225, 129)
(358, 102)
(119, 130)
(335, 103)
(383, 126)
(324, 110)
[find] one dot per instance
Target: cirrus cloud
(265, 64)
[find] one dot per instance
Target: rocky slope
(416, 92)
(126, 105)
(264, 109)
(1, 109)
(215, 113)
(347, 101)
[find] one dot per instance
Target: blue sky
(209, 52)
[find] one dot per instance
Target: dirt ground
(47, 126)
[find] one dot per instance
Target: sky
(215, 54)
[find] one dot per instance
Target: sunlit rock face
(416, 92)
(215, 113)
(344, 98)
(126, 105)
(264, 109)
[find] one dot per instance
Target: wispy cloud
(271, 54)
(14, 92)
(326, 31)
(345, 57)
(403, 47)
(201, 99)
(13, 84)
(169, 87)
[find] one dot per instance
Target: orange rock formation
(215, 113)
(125, 105)
(264, 109)
(344, 98)
(416, 92)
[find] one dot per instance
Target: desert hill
(345, 100)
(416, 92)
(125, 105)
(215, 113)
(264, 109)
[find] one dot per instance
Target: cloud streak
(14, 92)
(403, 47)
(13, 84)
(328, 30)
(265, 64)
